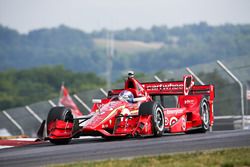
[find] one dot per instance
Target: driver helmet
(126, 96)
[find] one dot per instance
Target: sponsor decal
(177, 111)
(166, 86)
(166, 121)
(173, 120)
(189, 101)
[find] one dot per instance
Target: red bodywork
(111, 117)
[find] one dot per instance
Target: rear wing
(185, 87)
(177, 88)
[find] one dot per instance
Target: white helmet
(126, 96)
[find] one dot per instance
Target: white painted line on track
(35, 139)
(25, 139)
(90, 137)
(2, 147)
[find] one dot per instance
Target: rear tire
(204, 113)
(158, 119)
(59, 113)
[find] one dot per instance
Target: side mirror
(97, 101)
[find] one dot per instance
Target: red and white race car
(134, 111)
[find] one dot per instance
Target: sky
(89, 15)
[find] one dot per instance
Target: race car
(134, 111)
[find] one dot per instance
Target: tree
(21, 87)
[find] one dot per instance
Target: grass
(237, 157)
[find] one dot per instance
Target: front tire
(158, 119)
(60, 141)
(59, 113)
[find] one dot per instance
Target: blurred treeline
(185, 46)
(181, 46)
(22, 87)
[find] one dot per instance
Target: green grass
(238, 157)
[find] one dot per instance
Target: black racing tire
(204, 113)
(158, 119)
(60, 141)
(60, 113)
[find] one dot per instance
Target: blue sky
(89, 15)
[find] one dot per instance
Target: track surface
(96, 149)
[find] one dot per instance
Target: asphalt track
(98, 148)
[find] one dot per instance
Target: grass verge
(237, 157)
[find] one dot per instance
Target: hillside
(129, 46)
(144, 50)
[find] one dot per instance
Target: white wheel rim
(159, 119)
(205, 115)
